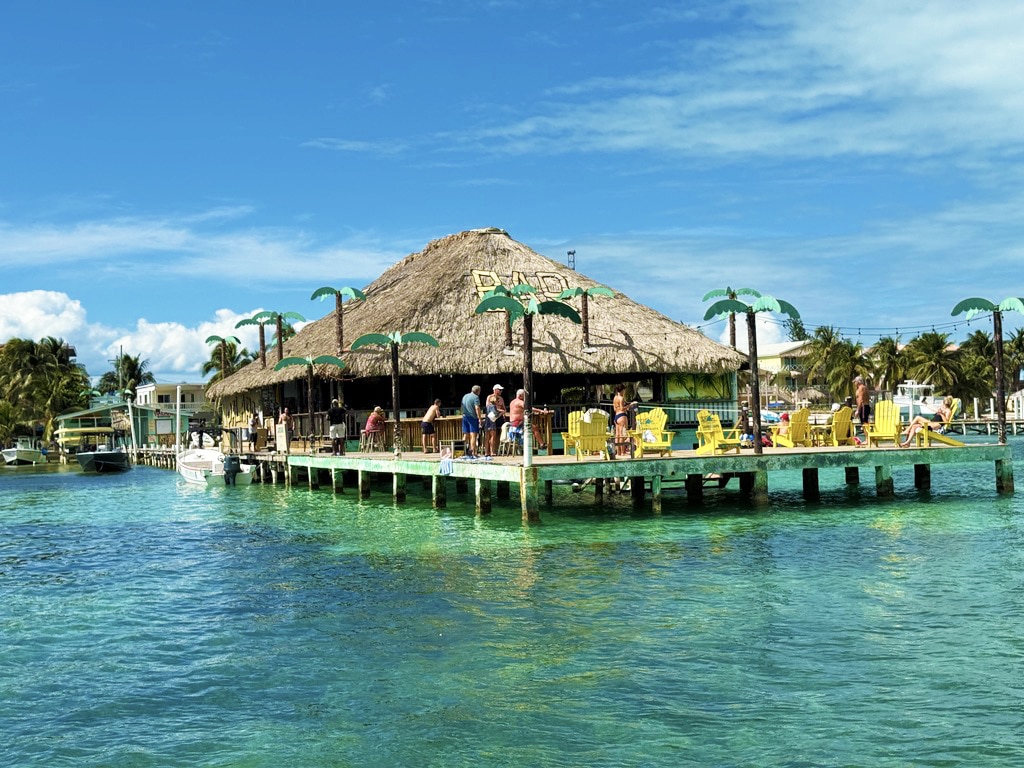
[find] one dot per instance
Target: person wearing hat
(374, 430)
(494, 415)
(337, 427)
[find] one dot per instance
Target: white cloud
(35, 314)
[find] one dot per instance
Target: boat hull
(22, 456)
(103, 462)
(205, 466)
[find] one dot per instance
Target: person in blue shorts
(471, 416)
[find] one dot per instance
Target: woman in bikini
(941, 415)
(621, 408)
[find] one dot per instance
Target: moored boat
(24, 451)
(104, 459)
(915, 399)
(210, 467)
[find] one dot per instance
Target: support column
(1004, 475)
(549, 491)
(637, 489)
(528, 495)
(398, 487)
(694, 488)
(439, 491)
(461, 485)
(853, 475)
(313, 478)
(364, 484)
(338, 480)
(503, 489)
(483, 496)
(746, 483)
(922, 476)
(811, 490)
(883, 481)
(759, 493)
(656, 494)
(599, 490)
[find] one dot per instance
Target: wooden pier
(751, 471)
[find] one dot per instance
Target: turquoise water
(150, 623)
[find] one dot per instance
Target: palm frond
(367, 339)
(558, 308)
(725, 307)
(510, 305)
(291, 361)
(973, 305)
(328, 360)
(424, 338)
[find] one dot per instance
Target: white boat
(104, 459)
(210, 467)
(915, 399)
(25, 451)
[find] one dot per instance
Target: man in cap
(338, 428)
(471, 416)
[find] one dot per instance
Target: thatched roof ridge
(436, 291)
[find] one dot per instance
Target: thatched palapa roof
(437, 290)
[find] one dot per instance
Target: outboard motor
(232, 466)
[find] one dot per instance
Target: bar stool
(371, 441)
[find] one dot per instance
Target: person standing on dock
(427, 432)
(471, 417)
(863, 398)
(337, 427)
(254, 424)
(493, 418)
(621, 419)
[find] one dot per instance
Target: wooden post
(483, 496)
(599, 490)
(883, 481)
(364, 484)
(528, 494)
(637, 488)
(398, 487)
(1004, 475)
(503, 489)
(922, 476)
(853, 475)
(694, 488)
(439, 491)
(549, 491)
(656, 494)
(338, 480)
(461, 485)
(313, 478)
(759, 493)
(812, 492)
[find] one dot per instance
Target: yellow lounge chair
(841, 429)
(926, 434)
(587, 434)
(797, 433)
(650, 434)
(886, 425)
(711, 438)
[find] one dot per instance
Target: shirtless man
(427, 432)
(863, 399)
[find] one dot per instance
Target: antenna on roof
(572, 259)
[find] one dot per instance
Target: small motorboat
(104, 459)
(25, 451)
(210, 467)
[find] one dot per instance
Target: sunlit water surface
(150, 623)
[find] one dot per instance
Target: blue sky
(167, 169)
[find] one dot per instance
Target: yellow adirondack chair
(886, 425)
(711, 438)
(926, 434)
(841, 431)
(650, 434)
(587, 434)
(798, 432)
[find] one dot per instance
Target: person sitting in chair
(941, 416)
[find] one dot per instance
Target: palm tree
(763, 304)
(972, 307)
(887, 361)
(509, 301)
(584, 294)
(339, 294)
(309, 362)
(129, 372)
(732, 294)
(260, 319)
(222, 343)
(392, 342)
(284, 329)
(1014, 350)
(847, 361)
(930, 360)
(824, 343)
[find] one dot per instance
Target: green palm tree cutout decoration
(763, 304)
(223, 341)
(309, 362)
(584, 294)
(391, 342)
(261, 319)
(731, 293)
(509, 300)
(279, 319)
(975, 306)
(339, 294)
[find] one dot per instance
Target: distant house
(162, 399)
(783, 367)
(105, 422)
(436, 291)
